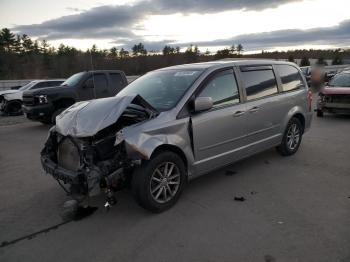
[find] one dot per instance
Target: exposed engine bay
(85, 152)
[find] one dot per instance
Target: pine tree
(8, 39)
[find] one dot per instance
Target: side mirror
(89, 83)
(203, 104)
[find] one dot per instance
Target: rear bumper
(38, 112)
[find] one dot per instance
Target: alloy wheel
(165, 182)
(293, 136)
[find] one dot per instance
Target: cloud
(337, 35)
(118, 21)
(210, 6)
(98, 22)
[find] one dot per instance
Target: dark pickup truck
(45, 104)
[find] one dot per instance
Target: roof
(221, 63)
(105, 71)
(49, 80)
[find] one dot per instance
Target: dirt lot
(296, 208)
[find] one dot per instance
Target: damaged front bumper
(92, 148)
(59, 173)
(85, 167)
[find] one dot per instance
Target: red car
(335, 97)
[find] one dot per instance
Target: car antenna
(93, 75)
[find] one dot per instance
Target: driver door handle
(254, 109)
(238, 113)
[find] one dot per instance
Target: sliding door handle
(238, 113)
(254, 109)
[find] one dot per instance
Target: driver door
(219, 134)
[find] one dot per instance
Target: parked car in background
(15, 87)
(174, 124)
(11, 100)
(45, 104)
(335, 96)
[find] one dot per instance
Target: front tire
(319, 113)
(157, 184)
(45, 121)
(291, 138)
(56, 113)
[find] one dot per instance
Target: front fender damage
(140, 142)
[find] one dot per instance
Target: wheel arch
(171, 148)
(296, 112)
(301, 118)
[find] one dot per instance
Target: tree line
(21, 57)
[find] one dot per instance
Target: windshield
(73, 80)
(162, 89)
(27, 86)
(340, 80)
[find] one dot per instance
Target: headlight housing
(42, 99)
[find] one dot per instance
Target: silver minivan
(174, 124)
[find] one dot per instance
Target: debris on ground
(71, 210)
(267, 162)
(230, 172)
(269, 258)
(253, 192)
(83, 212)
(239, 198)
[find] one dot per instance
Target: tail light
(309, 99)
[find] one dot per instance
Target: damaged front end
(85, 152)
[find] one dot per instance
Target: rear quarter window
(290, 77)
(259, 83)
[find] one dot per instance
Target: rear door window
(259, 83)
(222, 88)
(101, 85)
(117, 83)
(290, 77)
(40, 85)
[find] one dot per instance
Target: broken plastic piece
(230, 173)
(239, 199)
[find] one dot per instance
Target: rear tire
(319, 113)
(13, 108)
(157, 184)
(291, 138)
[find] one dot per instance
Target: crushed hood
(85, 119)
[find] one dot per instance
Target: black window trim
(259, 68)
(213, 76)
(185, 113)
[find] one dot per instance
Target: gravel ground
(296, 208)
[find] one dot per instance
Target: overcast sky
(212, 24)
